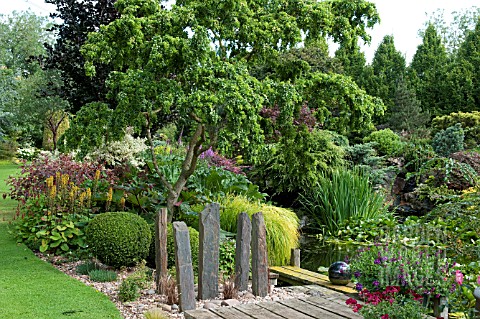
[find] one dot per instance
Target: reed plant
(339, 196)
(281, 224)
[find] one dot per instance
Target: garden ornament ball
(339, 273)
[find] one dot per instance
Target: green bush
(294, 164)
(470, 123)
(119, 238)
(50, 232)
(449, 141)
(364, 156)
(194, 243)
(282, 225)
(227, 257)
(387, 142)
(102, 275)
(86, 267)
(340, 196)
(129, 289)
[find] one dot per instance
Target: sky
(402, 19)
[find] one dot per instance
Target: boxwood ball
(339, 273)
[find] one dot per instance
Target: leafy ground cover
(31, 288)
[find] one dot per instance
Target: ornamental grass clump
(341, 196)
(282, 225)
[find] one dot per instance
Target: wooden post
(476, 294)
(183, 265)
(208, 256)
(295, 257)
(242, 251)
(260, 282)
(161, 250)
(440, 308)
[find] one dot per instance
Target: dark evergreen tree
(428, 71)
(78, 19)
(469, 52)
(353, 61)
(407, 114)
(388, 66)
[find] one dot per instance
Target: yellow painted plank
(309, 277)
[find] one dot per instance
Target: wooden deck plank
(229, 313)
(296, 275)
(308, 309)
(332, 306)
(200, 314)
(284, 311)
(257, 312)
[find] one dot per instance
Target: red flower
(351, 301)
(357, 307)
(385, 316)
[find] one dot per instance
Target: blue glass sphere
(339, 273)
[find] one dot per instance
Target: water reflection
(315, 253)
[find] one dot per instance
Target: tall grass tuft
(282, 225)
(340, 196)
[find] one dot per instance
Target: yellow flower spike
(89, 193)
(97, 175)
(122, 201)
(58, 176)
(53, 191)
(82, 198)
(49, 181)
(65, 179)
(110, 194)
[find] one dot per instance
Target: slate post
(183, 265)
(242, 251)
(208, 255)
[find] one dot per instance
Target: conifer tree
(407, 114)
(428, 71)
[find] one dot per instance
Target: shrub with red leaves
(217, 160)
(31, 182)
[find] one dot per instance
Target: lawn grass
(7, 205)
(33, 289)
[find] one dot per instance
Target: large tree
(78, 18)
(195, 57)
(353, 61)
(27, 98)
(428, 71)
(407, 113)
(469, 52)
(388, 66)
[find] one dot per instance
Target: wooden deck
(323, 303)
(299, 276)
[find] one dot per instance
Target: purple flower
(359, 286)
(376, 283)
(357, 274)
(377, 261)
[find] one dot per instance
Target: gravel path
(150, 300)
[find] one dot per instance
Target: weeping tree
(193, 60)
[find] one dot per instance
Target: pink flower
(478, 280)
(458, 277)
(385, 316)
